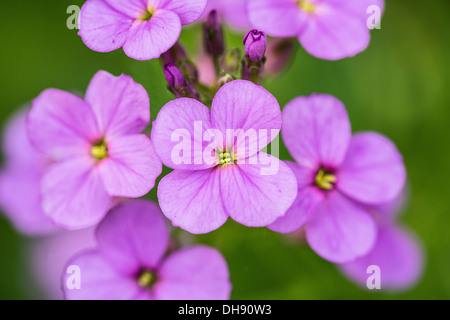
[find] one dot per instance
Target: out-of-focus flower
(233, 12)
(96, 146)
(47, 259)
(130, 263)
(213, 35)
(145, 29)
(397, 252)
(206, 69)
(338, 176)
(20, 178)
(255, 45)
(279, 54)
(327, 29)
(220, 172)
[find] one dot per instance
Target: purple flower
(20, 178)
(96, 146)
(130, 262)
(47, 258)
(255, 45)
(327, 29)
(144, 28)
(397, 252)
(338, 175)
(234, 13)
(219, 174)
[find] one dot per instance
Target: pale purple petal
(247, 108)
(373, 171)
(277, 18)
(341, 230)
(304, 206)
(388, 213)
(333, 33)
(177, 134)
(255, 195)
(47, 258)
(20, 179)
(301, 211)
(131, 8)
(133, 236)
(316, 130)
(102, 28)
(20, 201)
(234, 13)
(192, 200)
(99, 281)
(356, 7)
(17, 148)
(188, 11)
(121, 105)
(61, 124)
(197, 273)
(149, 39)
(73, 194)
(399, 256)
(131, 168)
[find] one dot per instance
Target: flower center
(325, 180)
(307, 6)
(99, 150)
(146, 279)
(147, 15)
(225, 157)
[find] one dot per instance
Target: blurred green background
(399, 86)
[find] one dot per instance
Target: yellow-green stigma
(307, 6)
(325, 180)
(146, 279)
(147, 16)
(224, 158)
(99, 150)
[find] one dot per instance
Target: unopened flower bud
(213, 35)
(255, 45)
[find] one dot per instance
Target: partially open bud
(174, 77)
(255, 45)
(213, 35)
(178, 83)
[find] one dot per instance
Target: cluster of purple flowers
(79, 162)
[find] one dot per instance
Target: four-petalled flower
(338, 176)
(96, 146)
